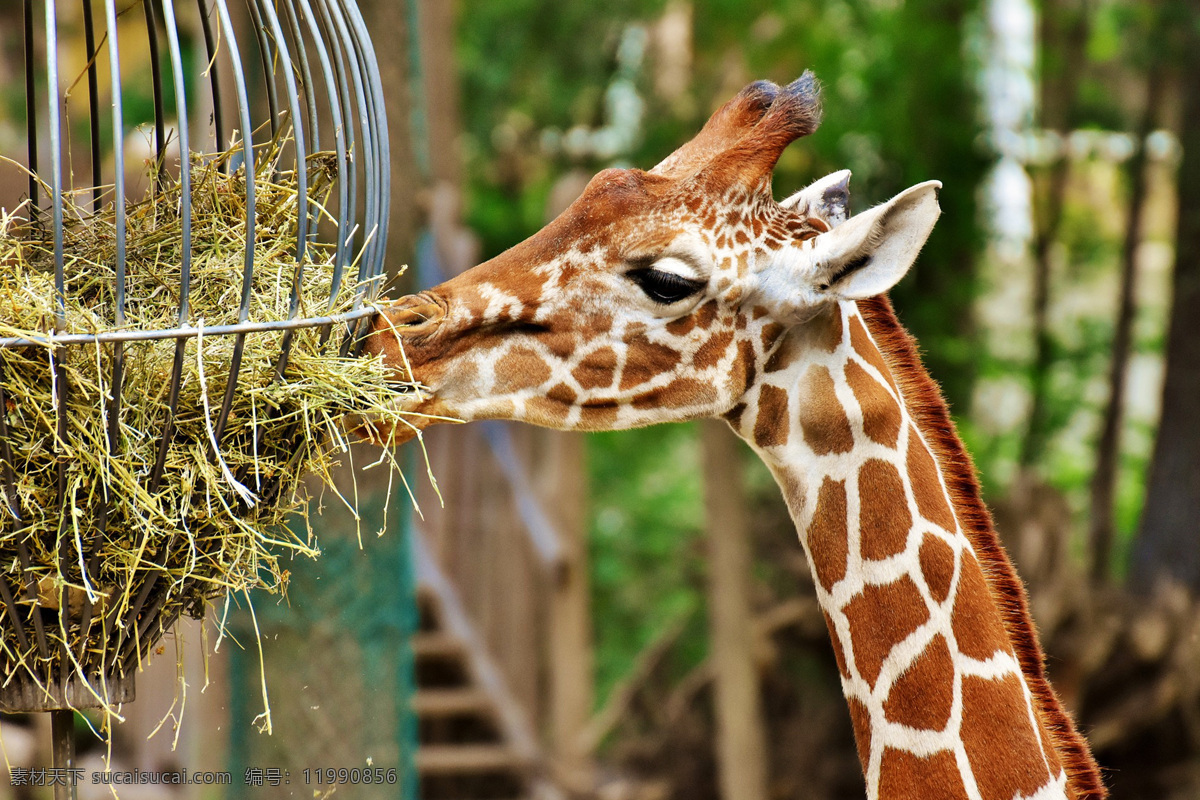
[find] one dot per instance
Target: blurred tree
(1151, 56)
(1168, 544)
(1064, 37)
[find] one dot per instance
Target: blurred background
(578, 598)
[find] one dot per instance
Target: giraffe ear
(827, 199)
(872, 251)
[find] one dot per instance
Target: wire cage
(250, 89)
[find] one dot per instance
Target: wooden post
(741, 750)
(563, 482)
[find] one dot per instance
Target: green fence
(337, 664)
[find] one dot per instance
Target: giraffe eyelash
(664, 288)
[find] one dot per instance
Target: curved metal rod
(348, 212)
(379, 123)
(300, 144)
(89, 42)
(210, 47)
(187, 332)
(306, 80)
(118, 363)
(368, 138)
(268, 70)
(248, 165)
(343, 161)
(185, 219)
(160, 121)
(31, 128)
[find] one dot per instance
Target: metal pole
(62, 728)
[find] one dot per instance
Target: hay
(214, 522)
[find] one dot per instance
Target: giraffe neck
(939, 662)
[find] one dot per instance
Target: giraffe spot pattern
(880, 618)
(880, 412)
(520, 368)
(597, 369)
(976, 620)
(597, 418)
(771, 427)
(827, 535)
(923, 695)
(860, 719)
(679, 393)
(904, 776)
(861, 342)
(839, 655)
(710, 353)
(543, 411)
(937, 566)
(829, 337)
(884, 519)
(562, 393)
(927, 488)
(822, 418)
(645, 360)
(1001, 745)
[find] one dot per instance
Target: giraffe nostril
(414, 311)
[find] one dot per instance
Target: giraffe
(687, 291)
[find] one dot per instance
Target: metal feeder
(301, 66)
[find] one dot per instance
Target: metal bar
(348, 173)
(60, 311)
(248, 166)
(300, 143)
(210, 47)
(306, 79)
(160, 114)
(188, 331)
(62, 727)
(31, 133)
(89, 39)
(31, 595)
(380, 125)
(339, 138)
(185, 219)
(264, 53)
(117, 381)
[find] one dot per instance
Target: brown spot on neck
(880, 618)
(880, 411)
(828, 534)
(903, 776)
(884, 518)
(922, 697)
(867, 351)
(976, 619)
(1001, 745)
(711, 352)
(822, 418)
(937, 566)
(771, 426)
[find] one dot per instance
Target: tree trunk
(1168, 544)
(1108, 451)
(1064, 32)
(741, 752)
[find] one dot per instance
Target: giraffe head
(657, 296)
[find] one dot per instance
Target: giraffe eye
(663, 287)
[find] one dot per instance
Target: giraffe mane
(928, 407)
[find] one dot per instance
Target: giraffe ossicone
(687, 291)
